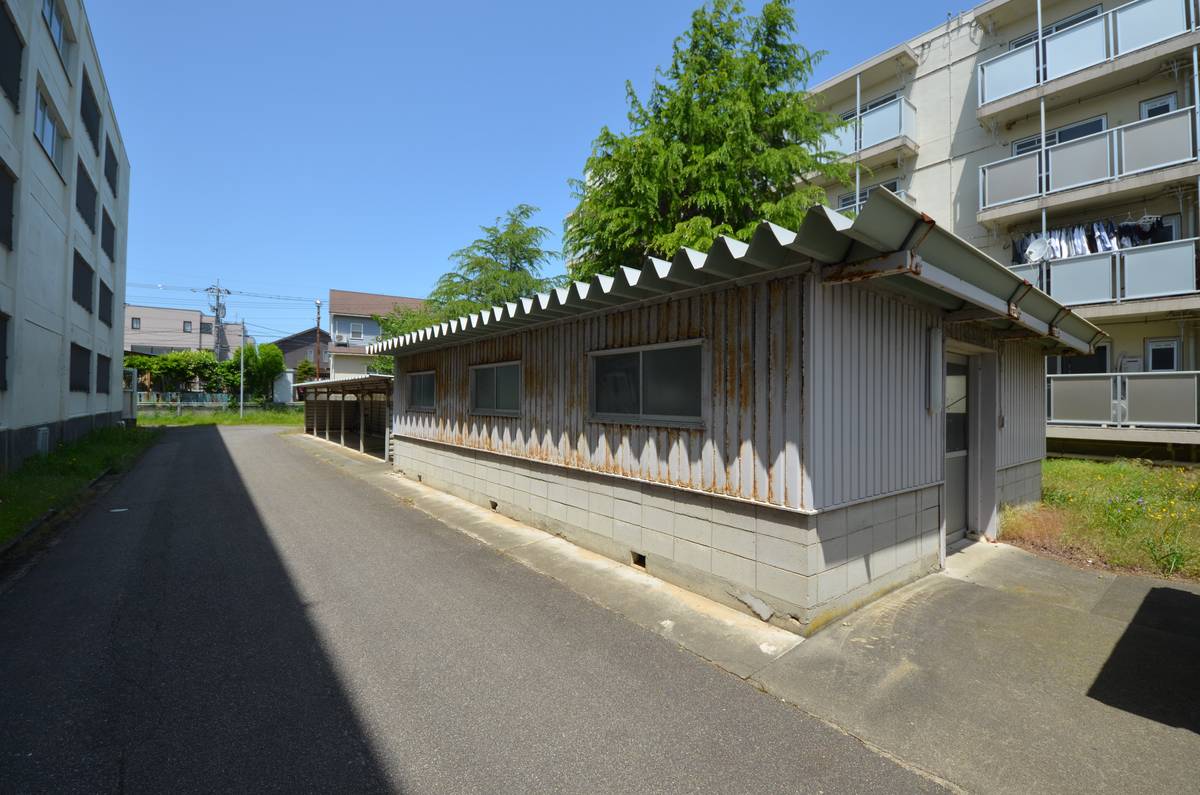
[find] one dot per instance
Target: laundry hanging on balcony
(1096, 237)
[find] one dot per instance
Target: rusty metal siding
(871, 433)
(1022, 367)
(749, 447)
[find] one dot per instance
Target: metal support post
(362, 428)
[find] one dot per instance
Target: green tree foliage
(728, 137)
(179, 370)
(263, 364)
(305, 371)
(507, 262)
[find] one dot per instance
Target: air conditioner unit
(340, 339)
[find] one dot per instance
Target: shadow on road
(1154, 670)
(165, 647)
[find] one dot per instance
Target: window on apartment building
(356, 331)
(1062, 24)
(81, 282)
(108, 236)
(1095, 362)
(875, 103)
(3, 352)
(89, 111)
(846, 200)
(421, 391)
(187, 327)
(55, 18)
(1162, 354)
(81, 368)
(496, 389)
(654, 383)
(206, 328)
(1149, 108)
(1060, 135)
(105, 305)
(135, 323)
(85, 196)
(11, 51)
(103, 373)
(8, 201)
(112, 169)
(49, 132)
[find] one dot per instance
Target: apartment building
(351, 315)
(1075, 122)
(156, 330)
(64, 196)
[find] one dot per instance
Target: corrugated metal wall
(872, 433)
(751, 448)
(1022, 402)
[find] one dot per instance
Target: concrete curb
(728, 638)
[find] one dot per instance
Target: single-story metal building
(809, 418)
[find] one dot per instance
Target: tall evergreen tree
(728, 137)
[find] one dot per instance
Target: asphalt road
(256, 620)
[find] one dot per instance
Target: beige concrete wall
(35, 277)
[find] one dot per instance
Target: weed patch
(288, 416)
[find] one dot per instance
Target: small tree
(268, 365)
(305, 371)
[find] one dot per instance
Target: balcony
(856, 208)
(1077, 60)
(1114, 157)
(1154, 271)
(878, 135)
(1169, 399)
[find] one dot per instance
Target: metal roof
(890, 243)
(370, 379)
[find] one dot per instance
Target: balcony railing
(1153, 271)
(1145, 145)
(1169, 399)
(855, 208)
(1125, 29)
(896, 118)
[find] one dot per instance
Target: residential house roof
(302, 338)
(348, 302)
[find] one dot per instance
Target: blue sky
(288, 147)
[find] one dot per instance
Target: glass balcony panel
(1143, 23)
(1007, 74)
(1156, 142)
(1160, 269)
(1079, 162)
(1076, 48)
(1161, 399)
(881, 124)
(908, 119)
(841, 141)
(1082, 280)
(1011, 179)
(1081, 398)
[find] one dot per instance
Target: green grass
(205, 417)
(55, 480)
(1128, 515)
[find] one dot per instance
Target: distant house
(351, 315)
(302, 345)
(157, 330)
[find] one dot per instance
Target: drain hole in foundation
(494, 504)
(418, 478)
(638, 559)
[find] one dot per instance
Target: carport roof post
(890, 243)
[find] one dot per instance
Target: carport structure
(354, 411)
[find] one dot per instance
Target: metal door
(957, 446)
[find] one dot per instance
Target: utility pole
(318, 361)
(217, 295)
(242, 375)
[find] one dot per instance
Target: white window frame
(408, 404)
(478, 412)
(308, 354)
(1170, 100)
(1173, 343)
(879, 101)
(52, 13)
(187, 327)
(846, 200)
(1055, 27)
(46, 124)
(1052, 135)
(356, 335)
(135, 323)
(670, 420)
